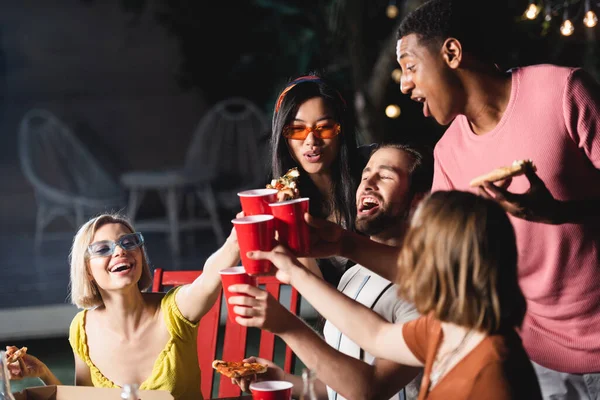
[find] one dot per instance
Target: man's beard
(372, 226)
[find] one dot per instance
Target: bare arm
(83, 376)
(365, 327)
(329, 239)
(311, 265)
(352, 378)
(379, 258)
(361, 324)
(194, 300)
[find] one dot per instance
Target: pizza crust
(518, 167)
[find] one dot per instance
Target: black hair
(345, 171)
(483, 34)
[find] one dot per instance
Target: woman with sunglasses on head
(313, 130)
(125, 335)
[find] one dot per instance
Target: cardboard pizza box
(63, 392)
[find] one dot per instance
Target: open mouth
(122, 267)
(368, 205)
(426, 111)
(313, 156)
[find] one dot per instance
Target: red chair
(234, 344)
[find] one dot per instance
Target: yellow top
(176, 368)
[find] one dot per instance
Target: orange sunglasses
(297, 132)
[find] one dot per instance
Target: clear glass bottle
(308, 385)
(130, 392)
(5, 391)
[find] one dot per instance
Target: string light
(548, 12)
(392, 10)
(590, 19)
(396, 75)
(532, 11)
(552, 7)
(392, 111)
(567, 27)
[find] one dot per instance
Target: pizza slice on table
(287, 185)
(238, 369)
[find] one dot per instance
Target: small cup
(255, 232)
(234, 276)
(256, 201)
(271, 390)
(290, 224)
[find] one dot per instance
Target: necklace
(439, 367)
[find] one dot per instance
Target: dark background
(132, 78)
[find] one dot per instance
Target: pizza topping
(519, 163)
(238, 369)
(287, 185)
(13, 353)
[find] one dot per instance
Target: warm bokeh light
(391, 11)
(590, 20)
(532, 11)
(396, 75)
(567, 28)
(392, 111)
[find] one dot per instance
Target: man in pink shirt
(545, 113)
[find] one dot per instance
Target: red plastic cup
(255, 232)
(290, 224)
(271, 390)
(234, 276)
(256, 201)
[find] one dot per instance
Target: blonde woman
(124, 334)
(458, 265)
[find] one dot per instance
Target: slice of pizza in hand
(238, 369)
(518, 167)
(287, 185)
(13, 353)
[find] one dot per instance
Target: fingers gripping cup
(234, 276)
(290, 224)
(271, 390)
(256, 201)
(255, 232)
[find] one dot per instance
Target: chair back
(235, 336)
(59, 166)
(229, 146)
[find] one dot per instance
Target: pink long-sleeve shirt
(552, 118)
